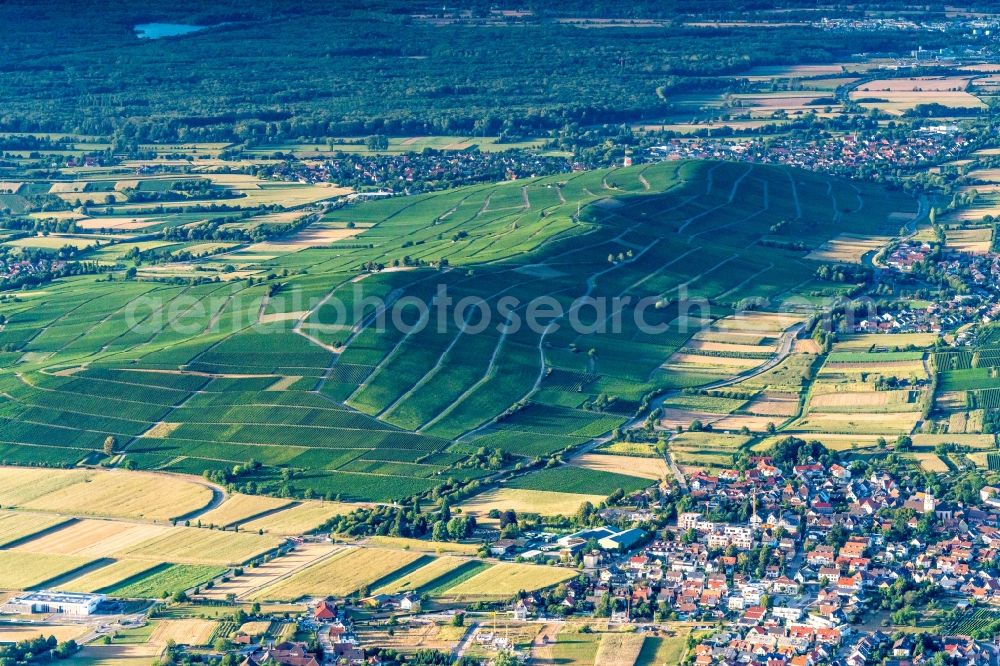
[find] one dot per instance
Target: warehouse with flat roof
(45, 601)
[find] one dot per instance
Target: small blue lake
(158, 30)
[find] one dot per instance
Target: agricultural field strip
(154, 312)
(42, 329)
(441, 358)
(591, 282)
(761, 211)
(732, 197)
(357, 329)
(70, 411)
(487, 375)
(521, 193)
(108, 318)
(444, 354)
(497, 349)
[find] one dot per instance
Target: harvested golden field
(92, 538)
(848, 248)
(194, 632)
(974, 214)
(671, 418)
(969, 422)
(543, 502)
(52, 241)
(299, 519)
(619, 649)
(343, 574)
(162, 429)
(672, 649)
(976, 241)
(270, 318)
(190, 545)
(947, 401)
(690, 128)
(117, 223)
(20, 485)
(870, 400)
(19, 571)
(125, 494)
(896, 96)
(832, 441)
(774, 403)
(979, 459)
(425, 546)
(112, 574)
(237, 508)
(319, 235)
(709, 345)
(898, 368)
(768, 72)
(752, 338)
(986, 175)
(14, 633)
(72, 186)
(505, 579)
(286, 382)
(708, 440)
(974, 422)
(420, 577)
(646, 468)
(15, 526)
(764, 105)
(883, 341)
(890, 423)
(127, 654)
(757, 322)
(917, 84)
(257, 578)
(257, 628)
(738, 421)
(975, 441)
(930, 462)
(691, 362)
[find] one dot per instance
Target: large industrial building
(45, 601)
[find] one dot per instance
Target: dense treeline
(277, 71)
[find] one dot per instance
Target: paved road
(466, 641)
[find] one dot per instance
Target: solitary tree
(109, 445)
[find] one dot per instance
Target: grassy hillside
(289, 373)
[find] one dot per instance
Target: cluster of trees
(391, 657)
(792, 451)
(36, 650)
(213, 229)
(404, 521)
(843, 273)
